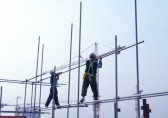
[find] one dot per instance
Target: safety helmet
(92, 55)
(51, 71)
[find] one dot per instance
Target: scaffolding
(34, 109)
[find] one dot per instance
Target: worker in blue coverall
(89, 77)
(53, 84)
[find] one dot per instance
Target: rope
(81, 53)
(87, 49)
(105, 45)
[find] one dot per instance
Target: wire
(81, 53)
(105, 45)
(87, 49)
(11, 101)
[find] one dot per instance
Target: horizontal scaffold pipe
(83, 60)
(22, 82)
(25, 112)
(62, 107)
(140, 96)
(62, 72)
(106, 54)
(38, 75)
(13, 81)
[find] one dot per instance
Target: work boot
(58, 105)
(96, 98)
(82, 99)
(46, 106)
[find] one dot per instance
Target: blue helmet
(92, 55)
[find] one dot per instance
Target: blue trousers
(51, 96)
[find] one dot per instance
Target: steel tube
(69, 81)
(31, 99)
(35, 89)
(100, 56)
(116, 79)
(1, 101)
(80, 20)
(137, 58)
(41, 79)
(53, 87)
(25, 95)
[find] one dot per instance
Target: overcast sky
(22, 22)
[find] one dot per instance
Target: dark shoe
(46, 106)
(58, 106)
(95, 98)
(81, 101)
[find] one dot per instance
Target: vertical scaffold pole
(31, 100)
(69, 82)
(79, 57)
(116, 79)
(53, 87)
(41, 81)
(25, 94)
(94, 109)
(137, 61)
(36, 76)
(96, 106)
(1, 101)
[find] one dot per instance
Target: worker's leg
(93, 85)
(84, 88)
(56, 97)
(49, 97)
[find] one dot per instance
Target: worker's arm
(99, 64)
(57, 77)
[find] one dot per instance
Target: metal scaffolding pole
(137, 59)
(25, 95)
(96, 106)
(116, 79)
(31, 99)
(79, 57)
(36, 75)
(94, 110)
(1, 101)
(126, 98)
(53, 87)
(102, 56)
(23, 112)
(23, 82)
(41, 81)
(83, 60)
(69, 82)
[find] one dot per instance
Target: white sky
(22, 22)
